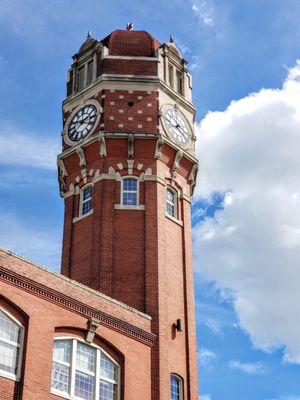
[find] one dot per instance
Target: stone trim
(74, 305)
(177, 221)
(133, 208)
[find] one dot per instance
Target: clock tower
(127, 172)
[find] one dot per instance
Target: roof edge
(76, 283)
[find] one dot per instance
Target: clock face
(82, 123)
(177, 126)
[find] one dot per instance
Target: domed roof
(131, 43)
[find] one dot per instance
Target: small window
(129, 192)
(83, 371)
(90, 71)
(11, 336)
(179, 82)
(171, 203)
(171, 76)
(80, 78)
(176, 388)
(86, 200)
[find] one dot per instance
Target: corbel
(178, 157)
(92, 327)
(192, 176)
(62, 167)
(80, 153)
(159, 145)
(102, 144)
(62, 173)
(130, 145)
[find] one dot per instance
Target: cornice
(67, 302)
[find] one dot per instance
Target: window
(89, 72)
(171, 203)
(86, 200)
(176, 388)
(11, 338)
(83, 371)
(129, 192)
(171, 76)
(179, 82)
(80, 78)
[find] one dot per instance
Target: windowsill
(60, 394)
(177, 221)
(8, 375)
(83, 216)
(123, 207)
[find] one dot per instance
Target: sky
(246, 220)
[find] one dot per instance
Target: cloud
(204, 11)
(214, 326)
(39, 246)
(287, 397)
(206, 357)
(249, 153)
(205, 397)
(256, 368)
(21, 148)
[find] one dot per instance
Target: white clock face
(177, 126)
(82, 123)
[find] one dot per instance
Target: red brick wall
(47, 321)
(127, 67)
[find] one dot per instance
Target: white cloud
(204, 11)
(206, 357)
(43, 247)
(214, 326)
(205, 397)
(256, 368)
(251, 249)
(21, 148)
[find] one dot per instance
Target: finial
(129, 26)
(89, 35)
(171, 38)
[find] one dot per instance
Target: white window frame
(130, 191)
(20, 346)
(81, 201)
(96, 374)
(175, 216)
(180, 380)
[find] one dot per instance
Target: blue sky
(246, 209)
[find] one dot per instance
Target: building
(118, 322)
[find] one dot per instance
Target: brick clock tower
(127, 172)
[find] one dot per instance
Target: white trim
(81, 201)
(19, 345)
(175, 205)
(177, 221)
(83, 216)
(137, 191)
(127, 207)
(96, 374)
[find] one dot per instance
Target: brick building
(118, 322)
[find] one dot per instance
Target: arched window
(171, 203)
(176, 388)
(86, 200)
(11, 342)
(130, 192)
(84, 371)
